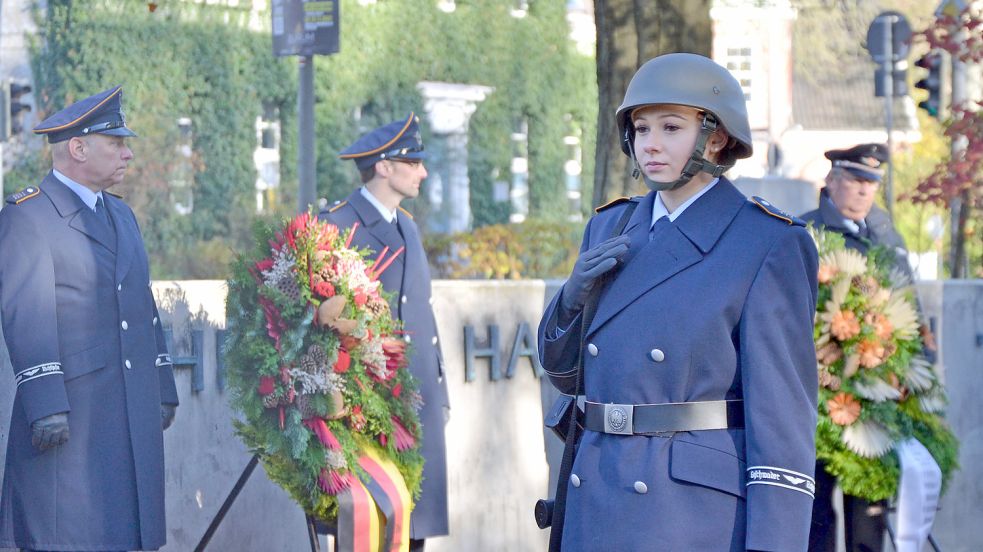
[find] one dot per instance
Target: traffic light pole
(888, 23)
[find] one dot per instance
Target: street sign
(305, 27)
(900, 32)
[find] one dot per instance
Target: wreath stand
(231, 498)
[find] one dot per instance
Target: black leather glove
(167, 412)
(50, 431)
(589, 266)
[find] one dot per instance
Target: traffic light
(12, 108)
(898, 84)
(932, 83)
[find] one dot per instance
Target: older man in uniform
(846, 203)
(390, 160)
(846, 206)
(95, 389)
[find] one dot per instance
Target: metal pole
(307, 189)
(958, 204)
(213, 526)
(888, 76)
(312, 534)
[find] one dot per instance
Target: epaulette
(337, 205)
(114, 194)
(405, 212)
(23, 195)
(612, 203)
(770, 209)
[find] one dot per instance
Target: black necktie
(659, 226)
(101, 211)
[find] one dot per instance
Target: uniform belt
(634, 419)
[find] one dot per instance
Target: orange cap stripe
(383, 146)
(84, 115)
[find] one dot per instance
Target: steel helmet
(691, 80)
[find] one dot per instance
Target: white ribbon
(918, 495)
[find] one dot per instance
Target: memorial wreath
(318, 371)
(876, 388)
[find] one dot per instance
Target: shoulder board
(337, 205)
(114, 194)
(770, 209)
(23, 195)
(405, 212)
(612, 203)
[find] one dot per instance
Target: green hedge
(531, 249)
(200, 61)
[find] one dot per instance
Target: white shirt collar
(660, 210)
(86, 195)
(388, 215)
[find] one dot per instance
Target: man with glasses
(846, 206)
(390, 161)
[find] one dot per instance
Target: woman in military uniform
(699, 367)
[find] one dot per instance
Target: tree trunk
(629, 33)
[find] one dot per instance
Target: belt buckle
(618, 419)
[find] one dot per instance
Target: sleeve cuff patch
(39, 371)
(163, 360)
(781, 477)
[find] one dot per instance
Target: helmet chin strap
(694, 165)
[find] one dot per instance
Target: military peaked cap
(863, 161)
(101, 113)
(399, 139)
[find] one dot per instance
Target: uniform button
(641, 488)
(127, 364)
(124, 325)
(657, 355)
(592, 349)
(155, 321)
(407, 338)
(119, 287)
(403, 299)
(574, 480)
(433, 340)
(431, 301)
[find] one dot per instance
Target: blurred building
(795, 119)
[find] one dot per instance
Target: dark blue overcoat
(718, 306)
(408, 280)
(81, 327)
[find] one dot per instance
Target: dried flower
(844, 409)
(324, 289)
(844, 325)
(868, 439)
(267, 384)
(829, 353)
(876, 389)
(828, 380)
(357, 419)
(343, 362)
(826, 273)
(871, 353)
